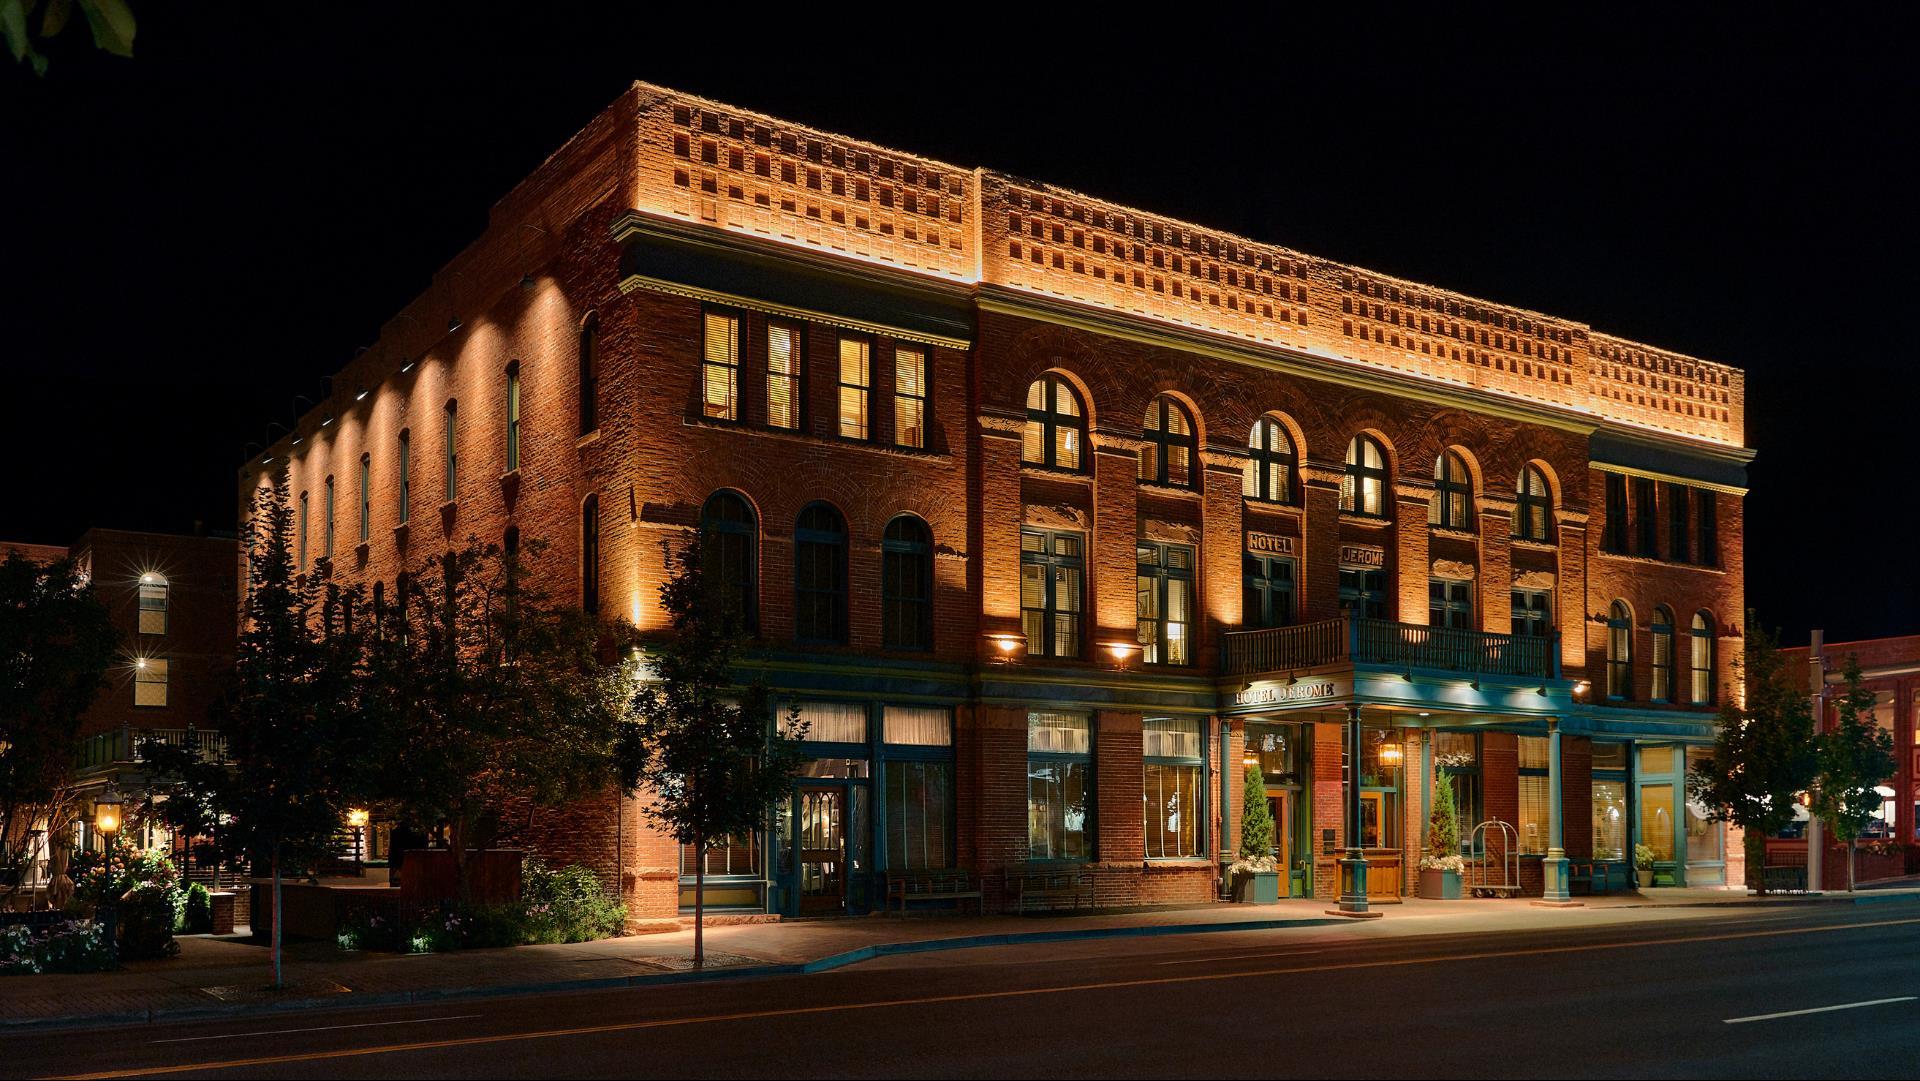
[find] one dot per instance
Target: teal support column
(1353, 869)
(1554, 868)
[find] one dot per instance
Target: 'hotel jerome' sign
(1363, 555)
(1272, 694)
(1270, 543)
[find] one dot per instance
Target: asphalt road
(1754, 994)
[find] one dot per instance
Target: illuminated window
(590, 554)
(910, 397)
(1059, 786)
(1056, 425)
(906, 585)
(783, 375)
(1452, 504)
(1363, 490)
(720, 368)
(1619, 651)
(1163, 589)
(150, 681)
(855, 376)
(1534, 822)
(728, 539)
(513, 416)
(366, 496)
(1172, 792)
(1662, 689)
(590, 373)
(820, 575)
(1166, 457)
(1271, 461)
(1532, 519)
(1702, 659)
(450, 453)
(154, 598)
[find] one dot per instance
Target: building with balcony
(1053, 515)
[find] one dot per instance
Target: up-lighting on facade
(1051, 514)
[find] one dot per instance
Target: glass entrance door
(821, 836)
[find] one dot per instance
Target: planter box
(1643, 876)
(1257, 887)
(1440, 885)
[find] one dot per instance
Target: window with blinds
(154, 598)
(834, 722)
(1059, 733)
(150, 681)
(910, 397)
(855, 380)
(783, 375)
(918, 726)
(720, 368)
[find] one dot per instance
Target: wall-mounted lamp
(328, 419)
(1121, 650)
(361, 394)
(453, 323)
(1390, 754)
(407, 367)
(1007, 644)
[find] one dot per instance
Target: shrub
(1256, 818)
(70, 946)
(568, 905)
(363, 928)
(147, 915)
(199, 912)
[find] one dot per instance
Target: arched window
(1662, 689)
(1619, 651)
(1533, 512)
(590, 373)
(1167, 457)
(1271, 461)
(155, 596)
(1702, 660)
(906, 585)
(1364, 488)
(590, 554)
(1452, 504)
(820, 575)
(1056, 425)
(727, 548)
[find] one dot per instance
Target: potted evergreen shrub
(1255, 878)
(1442, 865)
(1643, 864)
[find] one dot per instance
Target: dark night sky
(197, 235)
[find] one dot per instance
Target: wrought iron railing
(1385, 642)
(122, 746)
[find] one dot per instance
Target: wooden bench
(935, 886)
(1051, 890)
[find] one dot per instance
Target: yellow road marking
(800, 1011)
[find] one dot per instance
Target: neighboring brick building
(1053, 512)
(1890, 668)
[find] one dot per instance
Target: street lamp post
(106, 821)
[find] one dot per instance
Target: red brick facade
(667, 207)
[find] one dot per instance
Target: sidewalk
(214, 977)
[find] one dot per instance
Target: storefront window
(1059, 786)
(919, 798)
(1278, 749)
(1656, 820)
(1173, 787)
(1534, 796)
(1456, 757)
(1609, 820)
(1381, 757)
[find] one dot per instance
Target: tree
(282, 793)
(1855, 756)
(480, 694)
(110, 21)
(1256, 818)
(56, 643)
(701, 743)
(1443, 822)
(1763, 752)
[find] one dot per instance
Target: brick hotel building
(1054, 514)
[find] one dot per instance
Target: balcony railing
(122, 746)
(1384, 642)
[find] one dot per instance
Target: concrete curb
(652, 979)
(1856, 898)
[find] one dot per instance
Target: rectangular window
(834, 722)
(1679, 539)
(918, 726)
(1059, 786)
(783, 375)
(153, 606)
(326, 523)
(366, 497)
(1656, 820)
(1709, 529)
(1175, 787)
(1614, 539)
(1533, 613)
(451, 452)
(1646, 519)
(1534, 809)
(1266, 598)
(1662, 688)
(919, 807)
(720, 368)
(1450, 603)
(1363, 592)
(513, 419)
(1705, 839)
(910, 397)
(1163, 589)
(1050, 592)
(150, 681)
(1609, 820)
(855, 374)
(406, 477)
(300, 545)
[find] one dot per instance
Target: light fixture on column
(453, 323)
(1390, 754)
